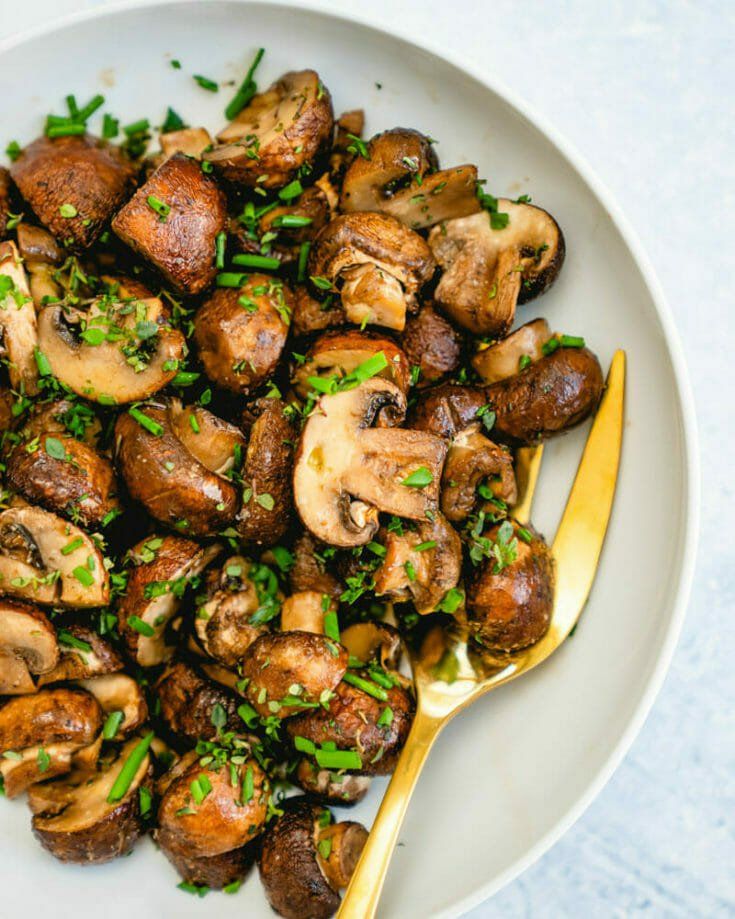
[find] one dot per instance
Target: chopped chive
(524, 361)
(303, 259)
(144, 800)
(68, 210)
(320, 282)
(110, 126)
(172, 122)
(291, 191)
(451, 601)
(419, 478)
(386, 717)
(142, 628)
(130, 767)
(199, 890)
(248, 714)
(13, 150)
(72, 546)
(42, 363)
(65, 130)
(338, 759)
(83, 576)
(376, 549)
(71, 104)
(71, 641)
(291, 221)
(265, 501)
(185, 378)
(256, 261)
(231, 279)
(380, 677)
(112, 724)
(194, 424)
(331, 625)
(358, 146)
(248, 786)
(232, 887)
(572, 341)
(153, 427)
(425, 546)
(160, 207)
(372, 689)
(136, 127)
(43, 760)
(176, 64)
(304, 745)
(206, 83)
(525, 535)
(247, 89)
(89, 109)
(219, 249)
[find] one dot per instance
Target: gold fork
(576, 550)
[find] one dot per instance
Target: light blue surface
(645, 91)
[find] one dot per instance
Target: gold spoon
(576, 550)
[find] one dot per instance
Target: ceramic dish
(514, 772)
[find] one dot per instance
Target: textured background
(644, 90)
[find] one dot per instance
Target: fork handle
(363, 893)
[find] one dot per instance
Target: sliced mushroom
(241, 332)
(109, 355)
(329, 787)
(487, 271)
(312, 315)
(474, 460)
(309, 571)
(50, 561)
(519, 350)
(18, 324)
(267, 476)
(83, 654)
(178, 470)
(551, 396)
(65, 476)
(337, 354)
(290, 671)
(421, 565)
(188, 702)
(163, 568)
(509, 607)
(223, 617)
(189, 141)
(400, 177)
(431, 344)
(346, 471)
(373, 641)
(28, 647)
(304, 611)
(378, 264)
(82, 818)
(280, 132)
(299, 880)
(74, 185)
(40, 733)
(173, 221)
(118, 694)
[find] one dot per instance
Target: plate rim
(690, 442)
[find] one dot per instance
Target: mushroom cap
(240, 345)
(294, 882)
(280, 131)
(188, 700)
(447, 409)
(400, 177)
(214, 871)
(345, 471)
(176, 475)
(18, 324)
(153, 594)
(511, 609)
(487, 271)
(50, 561)
(65, 476)
(291, 666)
(83, 654)
(502, 359)
(181, 243)
(219, 823)
(551, 396)
(83, 171)
(471, 459)
(339, 353)
(28, 647)
(267, 476)
(102, 372)
(73, 819)
(432, 344)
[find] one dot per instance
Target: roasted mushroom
(49, 561)
(475, 462)
(309, 570)
(41, 255)
(163, 566)
(267, 475)
(377, 264)
(210, 811)
(551, 396)
(65, 476)
(82, 654)
(41, 733)
(337, 354)
(18, 324)
(400, 176)
(241, 331)
(279, 133)
(175, 461)
(189, 701)
(121, 699)
(448, 409)
(173, 221)
(74, 185)
(510, 596)
(346, 471)
(223, 617)
(509, 356)
(305, 860)
(313, 315)
(304, 611)
(28, 647)
(91, 817)
(288, 672)
(329, 787)
(373, 641)
(489, 268)
(431, 344)
(120, 350)
(191, 142)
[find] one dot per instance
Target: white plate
(514, 772)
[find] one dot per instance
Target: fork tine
(581, 533)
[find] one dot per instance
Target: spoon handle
(363, 893)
